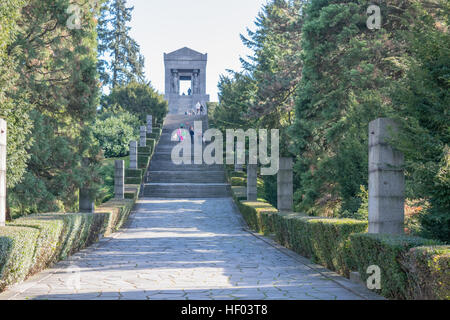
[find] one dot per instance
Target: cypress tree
(120, 61)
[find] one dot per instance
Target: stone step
(186, 177)
(187, 190)
(169, 166)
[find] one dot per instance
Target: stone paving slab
(186, 250)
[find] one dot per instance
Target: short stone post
(149, 124)
(3, 143)
(133, 155)
(143, 140)
(86, 205)
(386, 180)
(252, 182)
(119, 179)
(285, 189)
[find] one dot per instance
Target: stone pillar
(285, 188)
(119, 179)
(252, 181)
(386, 180)
(143, 140)
(149, 124)
(133, 155)
(86, 205)
(3, 141)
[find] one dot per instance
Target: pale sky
(207, 26)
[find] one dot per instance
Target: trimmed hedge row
(31, 244)
(324, 241)
(389, 253)
(429, 272)
(409, 270)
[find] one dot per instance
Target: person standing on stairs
(192, 133)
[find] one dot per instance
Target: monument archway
(185, 65)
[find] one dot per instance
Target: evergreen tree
(120, 61)
(140, 99)
(14, 107)
(57, 75)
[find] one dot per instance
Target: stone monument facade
(185, 65)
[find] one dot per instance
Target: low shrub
(17, 247)
(133, 180)
(238, 182)
(146, 150)
(151, 143)
(143, 161)
(325, 241)
(258, 215)
(117, 213)
(386, 252)
(47, 243)
(132, 173)
(428, 271)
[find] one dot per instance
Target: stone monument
(185, 65)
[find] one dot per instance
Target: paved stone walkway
(182, 249)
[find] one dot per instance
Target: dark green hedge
(238, 181)
(428, 270)
(133, 180)
(17, 247)
(325, 241)
(143, 161)
(131, 173)
(29, 245)
(387, 252)
(147, 149)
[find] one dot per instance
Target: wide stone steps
(183, 176)
(165, 179)
(187, 190)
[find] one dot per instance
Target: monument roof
(185, 54)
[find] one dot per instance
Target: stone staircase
(168, 180)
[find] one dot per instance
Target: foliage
(56, 66)
(16, 254)
(114, 128)
(326, 241)
(13, 106)
(387, 252)
(139, 99)
(30, 244)
(428, 272)
(120, 61)
(423, 99)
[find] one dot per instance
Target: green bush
(325, 241)
(48, 241)
(133, 180)
(147, 150)
(114, 129)
(117, 213)
(258, 215)
(131, 173)
(428, 270)
(387, 252)
(17, 247)
(151, 143)
(238, 182)
(143, 161)
(154, 136)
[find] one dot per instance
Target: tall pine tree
(120, 61)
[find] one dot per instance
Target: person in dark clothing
(192, 133)
(201, 109)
